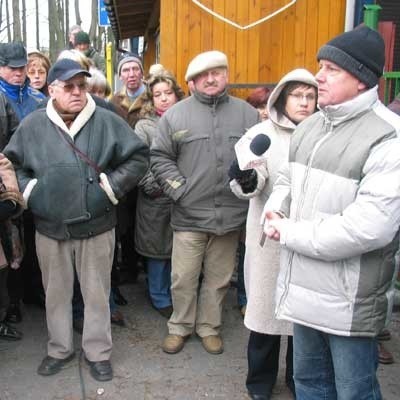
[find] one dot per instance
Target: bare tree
(1, 14)
(56, 38)
(61, 31)
(93, 23)
(24, 22)
(9, 38)
(16, 21)
(37, 24)
(77, 13)
(95, 32)
(66, 6)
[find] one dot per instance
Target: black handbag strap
(80, 153)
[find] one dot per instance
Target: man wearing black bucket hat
(73, 162)
(336, 210)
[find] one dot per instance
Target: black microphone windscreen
(260, 144)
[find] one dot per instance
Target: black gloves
(235, 172)
(247, 179)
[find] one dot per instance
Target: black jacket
(8, 121)
(67, 201)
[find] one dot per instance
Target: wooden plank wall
(262, 54)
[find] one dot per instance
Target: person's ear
(362, 86)
(51, 90)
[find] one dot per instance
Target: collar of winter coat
(79, 122)
(14, 92)
(339, 113)
(211, 100)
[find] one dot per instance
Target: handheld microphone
(260, 144)
(250, 152)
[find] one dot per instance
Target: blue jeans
(330, 367)
(159, 282)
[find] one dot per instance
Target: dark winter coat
(153, 232)
(63, 191)
(8, 121)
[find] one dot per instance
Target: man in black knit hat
(336, 210)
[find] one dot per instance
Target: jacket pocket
(97, 200)
(58, 194)
(193, 150)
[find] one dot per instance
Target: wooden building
(262, 44)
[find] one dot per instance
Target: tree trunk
(17, 22)
(66, 22)
(77, 13)
(37, 24)
(24, 22)
(53, 23)
(8, 21)
(1, 14)
(61, 27)
(93, 31)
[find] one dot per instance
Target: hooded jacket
(190, 158)
(341, 191)
(261, 264)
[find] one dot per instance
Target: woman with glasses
(292, 100)
(37, 70)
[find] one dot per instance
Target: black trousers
(263, 362)
(26, 281)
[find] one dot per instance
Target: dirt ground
(142, 371)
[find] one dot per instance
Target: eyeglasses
(300, 96)
(69, 87)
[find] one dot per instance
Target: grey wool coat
(261, 264)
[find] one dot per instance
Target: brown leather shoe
(173, 344)
(213, 344)
(384, 355)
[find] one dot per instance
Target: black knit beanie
(360, 52)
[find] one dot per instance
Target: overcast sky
(84, 8)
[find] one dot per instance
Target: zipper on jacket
(329, 128)
(20, 95)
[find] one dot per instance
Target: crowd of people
(90, 178)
